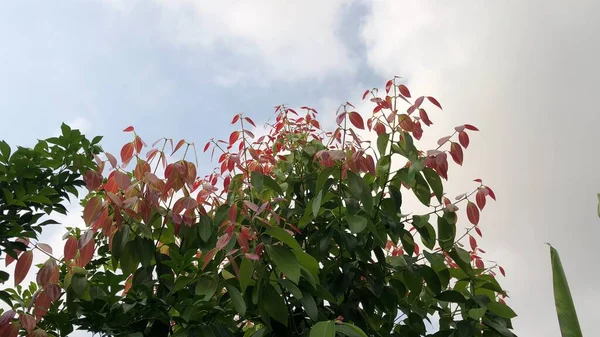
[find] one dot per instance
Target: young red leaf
(42, 304)
(45, 273)
(443, 140)
(478, 231)
(424, 117)
(45, 247)
(502, 271)
(478, 180)
(404, 90)
(388, 86)
(22, 267)
(53, 291)
(206, 146)
(92, 180)
(473, 213)
(456, 153)
(434, 102)
(247, 119)
(356, 120)
(111, 159)
(233, 137)
(340, 118)
(472, 243)
(480, 199)
(419, 101)
(235, 119)
(208, 257)
(379, 128)
(366, 94)
(479, 264)
(86, 254)
(70, 248)
(127, 153)
(10, 330)
(27, 322)
(138, 144)
(417, 130)
(471, 127)
(491, 193)
(92, 208)
(123, 180)
(463, 138)
(128, 129)
(178, 146)
(7, 317)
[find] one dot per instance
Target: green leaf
(283, 236)
(291, 287)
(316, 204)
(274, 304)
(129, 258)
(451, 296)
(501, 310)
(477, 313)
(237, 299)
(349, 330)
(308, 302)
(205, 228)
(432, 279)
(356, 223)
(145, 250)
(272, 185)
(246, 271)
(382, 142)
(425, 229)
(421, 190)
(565, 308)
(257, 180)
(446, 233)
(4, 150)
(78, 284)
(435, 182)
(181, 282)
(206, 287)
(323, 329)
(286, 261)
(308, 262)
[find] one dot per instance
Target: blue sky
(524, 72)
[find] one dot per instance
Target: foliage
(299, 232)
(565, 309)
(35, 182)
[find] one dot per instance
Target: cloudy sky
(525, 72)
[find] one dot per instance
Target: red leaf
(27, 321)
(111, 159)
(417, 130)
(435, 102)
(356, 120)
(123, 180)
(479, 264)
(233, 137)
(472, 242)
(247, 119)
(138, 144)
(424, 117)
(419, 101)
(178, 146)
(491, 193)
(473, 213)
(70, 248)
(22, 267)
(471, 127)
(388, 86)
(502, 271)
(128, 129)
(127, 153)
(10, 330)
(206, 146)
(45, 247)
(404, 90)
(7, 317)
(208, 257)
(480, 198)
(233, 213)
(379, 128)
(92, 209)
(443, 140)
(463, 138)
(52, 291)
(340, 118)
(366, 94)
(86, 254)
(478, 180)
(92, 180)
(478, 231)
(235, 119)
(456, 153)
(42, 304)
(141, 169)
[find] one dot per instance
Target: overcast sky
(525, 72)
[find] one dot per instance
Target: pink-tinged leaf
(252, 256)
(208, 257)
(434, 102)
(92, 180)
(419, 101)
(417, 130)
(463, 138)
(471, 127)
(127, 153)
(70, 248)
(123, 180)
(86, 254)
(111, 159)
(472, 243)
(459, 128)
(114, 199)
(356, 120)
(22, 267)
(491, 193)
(233, 137)
(404, 90)
(388, 86)
(443, 140)
(53, 292)
(424, 117)
(473, 213)
(223, 241)
(480, 199)
(9, 330)
(456, 153)
(27, 322)
(45, 247)
(479, 264)
(340, 118)
(92, 209)
(366, 94)
(42, 304)
(379, 128)
(7, 317)
(128, 129)
(178, 146)
(247, 119)
(235, 119)
(478, 231)
(502, 271)
(233, 213)
(478, 180)
(138, 144)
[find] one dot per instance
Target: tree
(300, 232)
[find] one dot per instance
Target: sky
(524, 72)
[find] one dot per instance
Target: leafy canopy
(299, 232)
